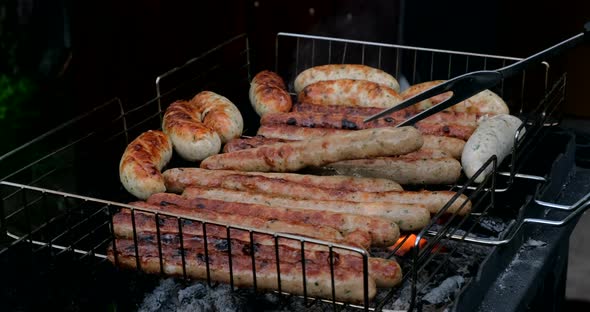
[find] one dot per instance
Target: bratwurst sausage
(458, 118)
(495, 136)
(319, 151)
(349, 92)
(355, 122)
(192, 140)
(319, 232)
(432, 200)
(219, 114)
(409, 217)
(484, 102)
(268, 94)
(216, 266)
(383, 233)
(140, 165)
(453, 146)
(344, 71)
(177, 179)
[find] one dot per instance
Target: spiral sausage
(219, 114)
(192, 139)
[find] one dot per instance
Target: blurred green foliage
(15, 94)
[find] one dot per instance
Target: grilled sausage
(268, 93)
(249, 142)
(197, 265)
(382, 233)
(294, 133)
(432, 200)
(192, 140)
(219, 114)
(495, 136)
(485, 102)
(386, 272)
(177, 179)
(453, 146)
(459, 118)
(319, 232)
(142, 160)
(409, 217)
(402, 170)
(354, 122)
(344, 71)
(349, 92)
(304, 107)
(145, 223)
(319, 151)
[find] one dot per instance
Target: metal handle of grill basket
(576, 209)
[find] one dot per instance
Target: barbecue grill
(61, 190)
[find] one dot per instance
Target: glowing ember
(408, 241)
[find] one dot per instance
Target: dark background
(82, 53)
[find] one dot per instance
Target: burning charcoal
(443, 292)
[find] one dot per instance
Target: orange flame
(408, 244)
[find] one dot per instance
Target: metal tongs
(467, 85)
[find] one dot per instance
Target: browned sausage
(485, 102)
(294, 133)
(349, 92)
(305, 107)
(409, 217)
(404, 170)
(344, 71)
(140, 165)
(459, 118)
(192, 139)
(248, 142)
(219, 114)
(293, 156)
(177, 179)
(386, 272)
(145, 223)
(433, 200)
(453, 146)
(317, 275)
(268, 93)
(382, 233)
(320, 232)
(355, 122)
